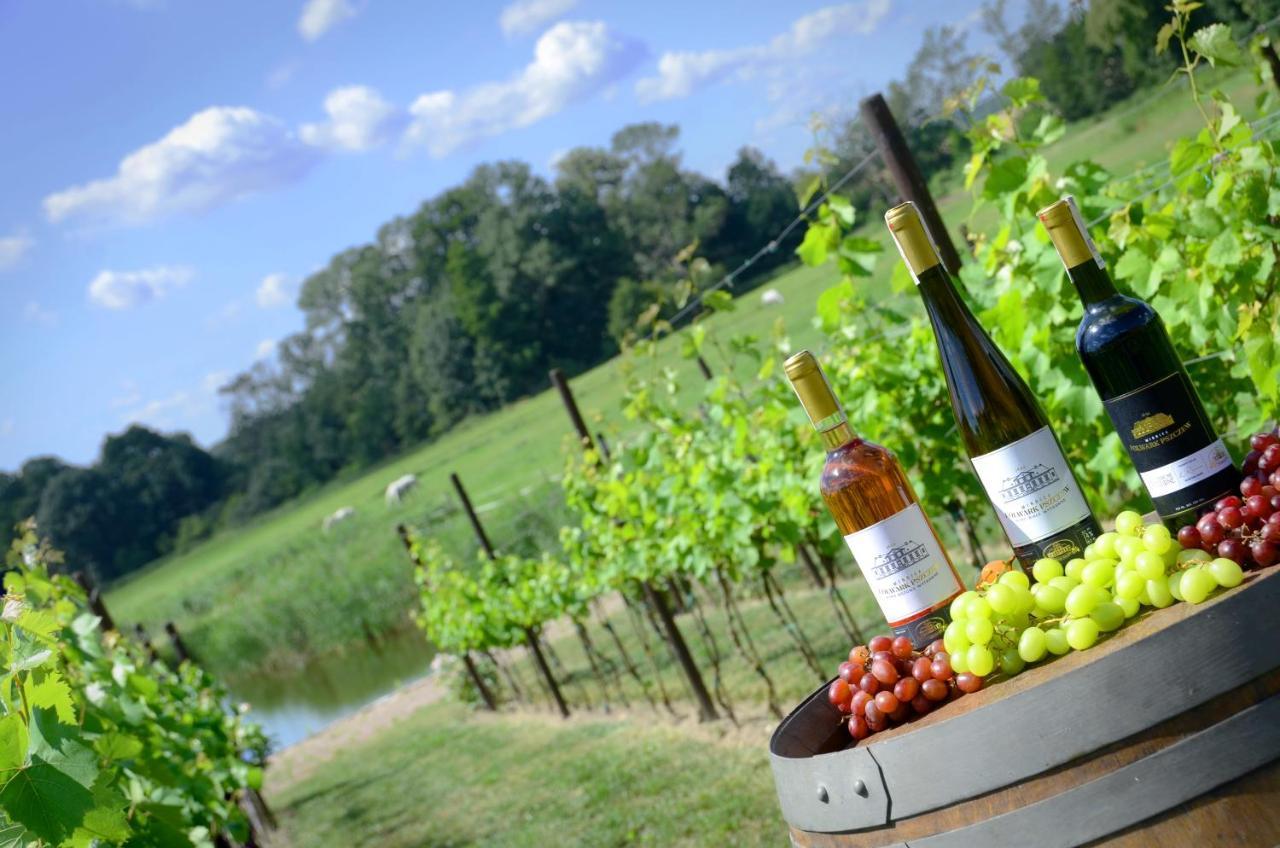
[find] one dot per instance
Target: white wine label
(1181, 473)
(904, 565)
(1032, 488)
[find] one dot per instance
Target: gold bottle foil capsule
(1069, 234)
(913, 240)
(811, 386)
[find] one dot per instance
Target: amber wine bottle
(871, 499)
(1014, 451)
(1142, 382)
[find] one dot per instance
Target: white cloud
(265, 348)
(571, 61)
(13, 248)
(525, 17)
(214, 380)
(220, 154)
(358, 119)
(34, 313)
(275, 290)
(682, 73)
(127, 289)
(279, 76)
(320, 16)
(130, 397)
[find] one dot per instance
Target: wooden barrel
(1166, 734)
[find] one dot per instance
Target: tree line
(462, 306)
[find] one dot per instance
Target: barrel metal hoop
(832, 791)
(1150, 786)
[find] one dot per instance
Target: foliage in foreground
(101, 745)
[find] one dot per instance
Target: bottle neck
(837, 437)
(1092, 282)
(942, 299)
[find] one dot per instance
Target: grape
(1262, 441)
(1064, 584)
(1157, 539)
(1270, 459)
(902, 648)
(1015, 580)
(1193, 556)
(1051, 599)
(1224, 502)
(1230, 517)
(980, 660)
(849, 672)
(858, 728)
(1129, 523)
(979, 631)
(934, 690)
(885, 672)
(1210, 530)
(1226, 573)
(1055, 640)
(1129, 605)
(1128, 548)
(906, 689)
(861, 655)
(901, 712)
(886, 701)
(859, 701)
(1031, 644)
(1108, 615)
(1158, 593)
(1046, 569)
(921, 705)
(1026, 602)
(1129, 585)
(978, 608)
(1197, 584)
(1250, 486)
(960, 661)
(1090, 552)
(1257, 507)
(1189, 537)
(873, 713)
(869, 684)
(1149, 565)
(960, 606)
(1002, 601)
(839, 694)
(1231, 549)
(1011, 662)
(934, 647)
(1271, 531)
(1264, 553)
(1100, 572)
(1175, 585)
(942, 670)
(1105, 545)
(880, 643)
(1074, 569)
(954, 637)
(922, 669)
(1081, 600)
(968, 683)
(1082, 633)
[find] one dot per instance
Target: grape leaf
(13, 745)
(14, 836)
(52, 692)
(1215, 43)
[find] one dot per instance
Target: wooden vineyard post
(906, 174)
(530, 638)
(655, 598)
(95, 599)
(1273, 60)
(476, 680)
(704, 368)
(180, 650)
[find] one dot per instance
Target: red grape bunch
(887, 682)
(1245, 529)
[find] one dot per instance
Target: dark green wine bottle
(1014, 451)
(1142, 382)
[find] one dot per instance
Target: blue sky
(172, 169)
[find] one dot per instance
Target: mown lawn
(444, 777)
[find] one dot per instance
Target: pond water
(294, 706)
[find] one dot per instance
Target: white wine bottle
(1014, 451)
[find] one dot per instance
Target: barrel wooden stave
(1203, 716)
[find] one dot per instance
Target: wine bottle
(1014, 451)
(1142, 382)
(876, 510)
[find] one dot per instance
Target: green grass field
(268, 595)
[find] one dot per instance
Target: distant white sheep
(339, 515)
(771, 297)
(401, 486)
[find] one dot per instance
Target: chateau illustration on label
(1027, 482)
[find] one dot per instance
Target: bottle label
(1171, 443)
(1032, 488)
(904, 565)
